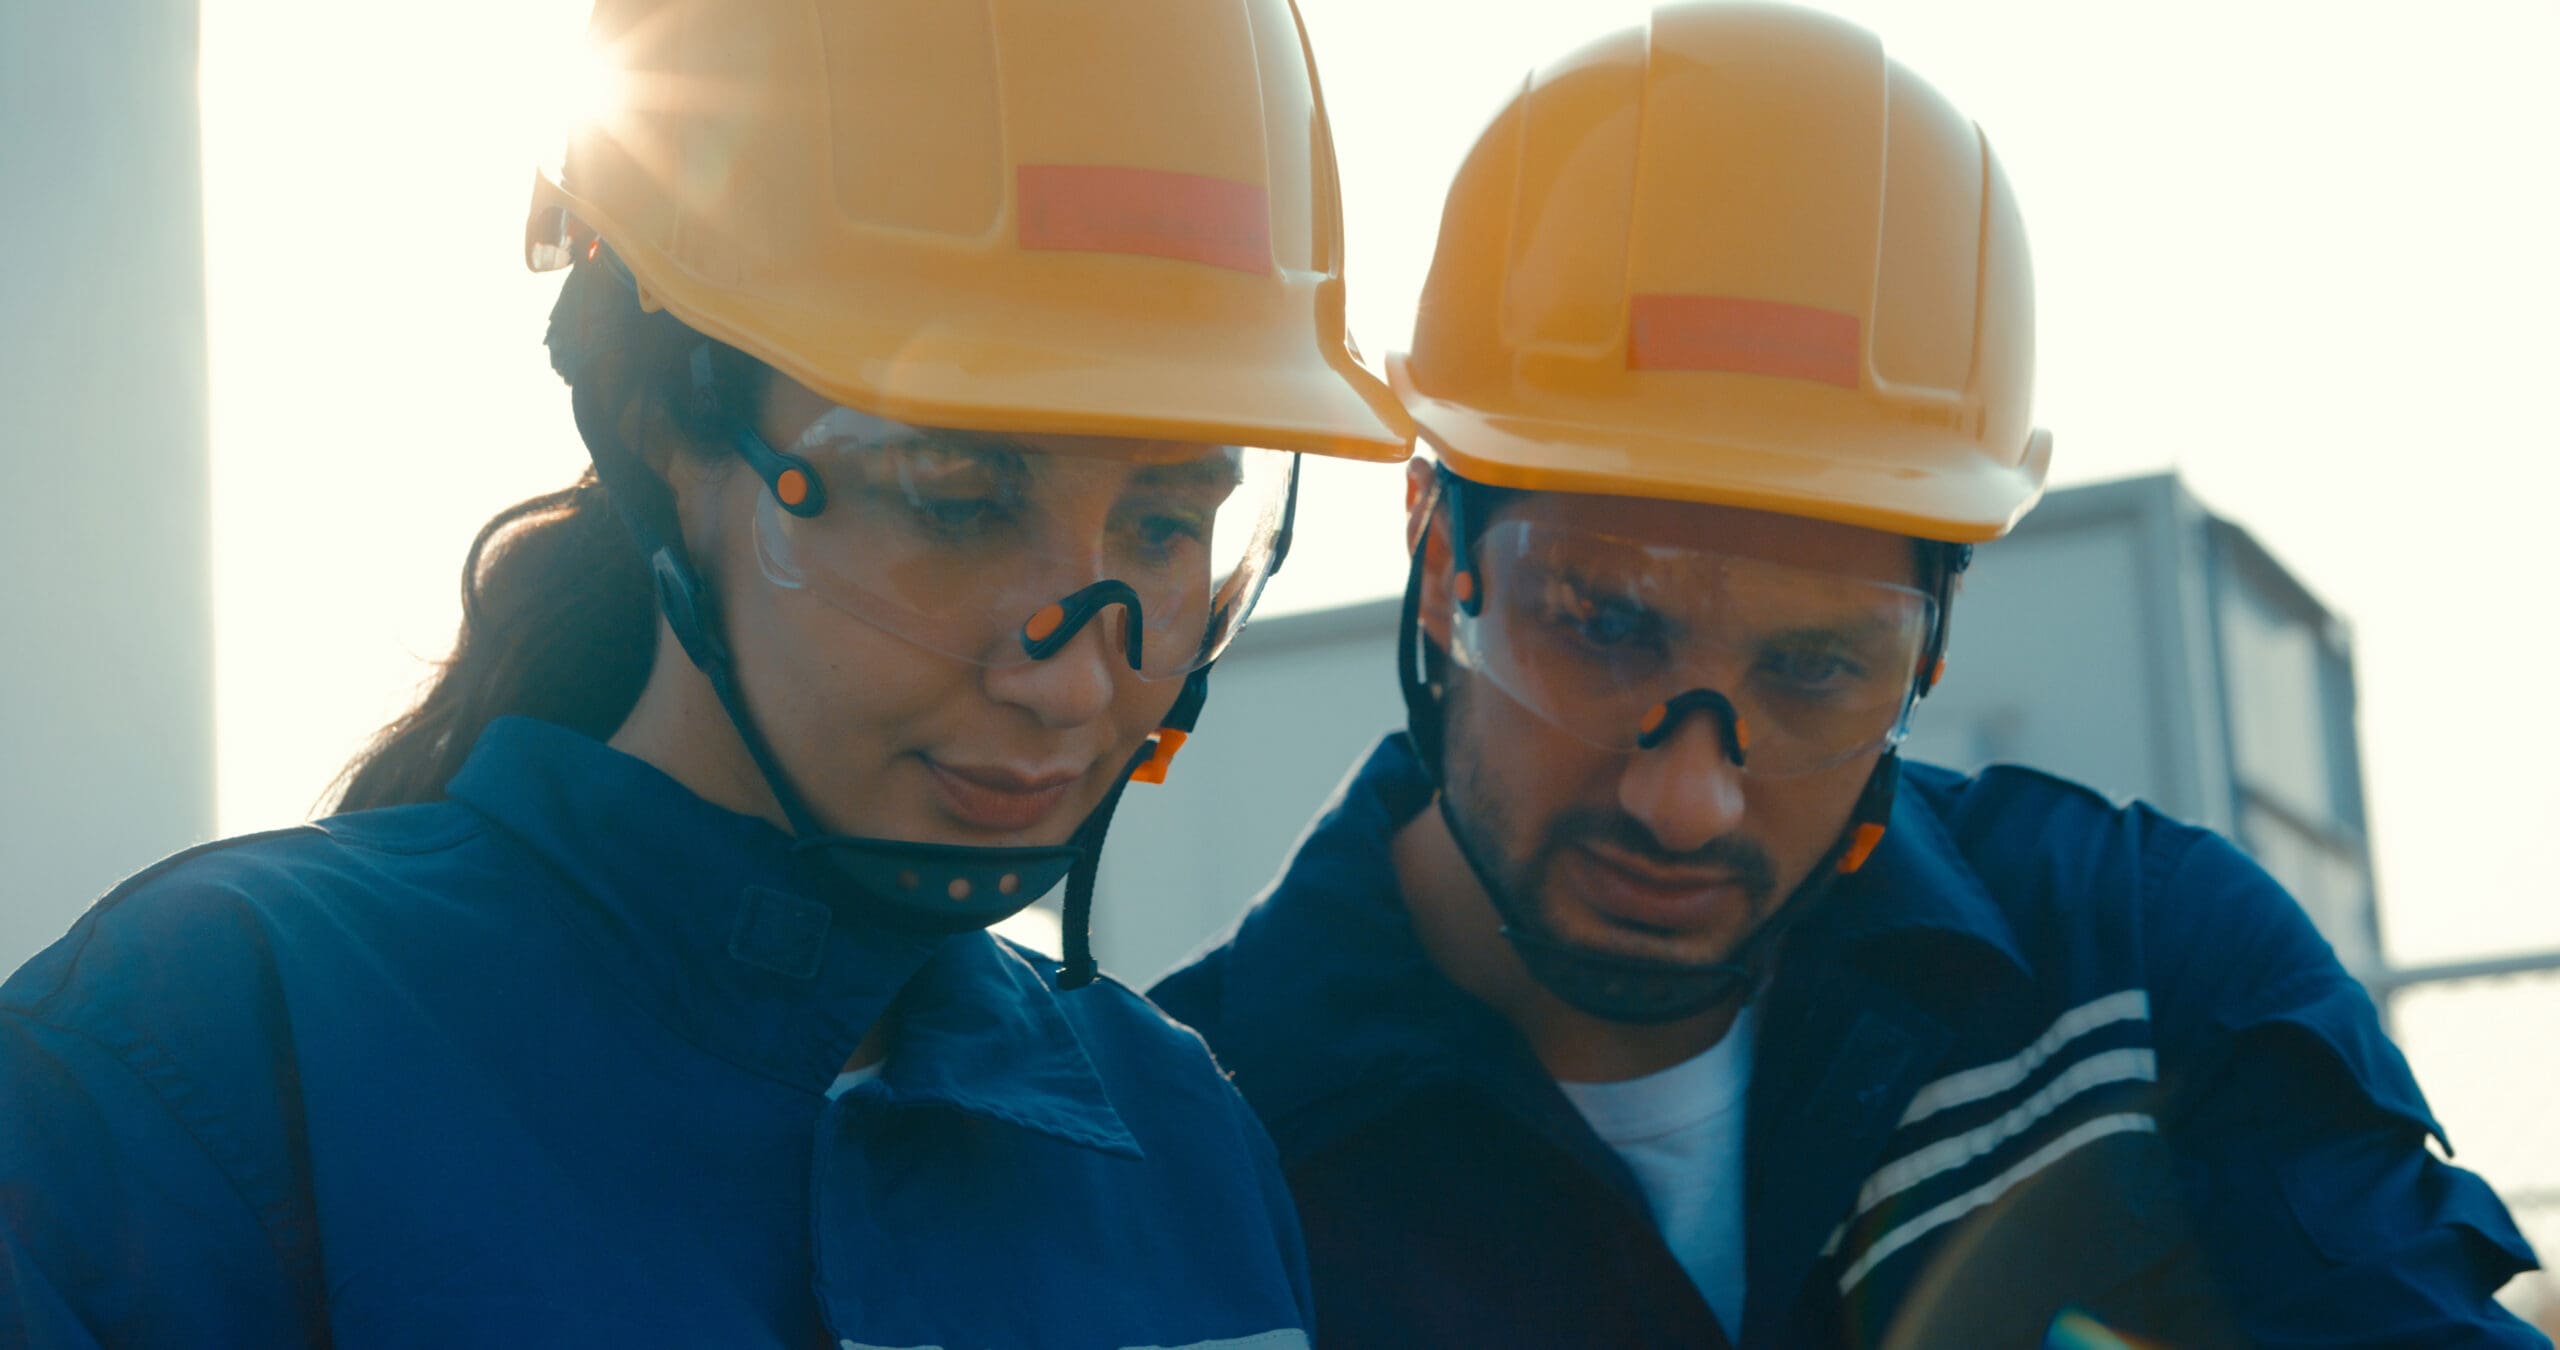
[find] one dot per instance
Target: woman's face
(879, 644)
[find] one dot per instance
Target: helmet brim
(1011, 363)
(1959, 500)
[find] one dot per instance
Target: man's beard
(1612, 987)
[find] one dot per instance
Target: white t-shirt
(1680, 1132)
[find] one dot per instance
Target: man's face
(1671, 854)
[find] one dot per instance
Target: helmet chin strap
(1634, 990)
(933, 888)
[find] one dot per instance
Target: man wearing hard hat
(1639, 994)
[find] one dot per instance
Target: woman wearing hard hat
(944, 370)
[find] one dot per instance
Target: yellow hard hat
(1111, 217)
(1738, 256)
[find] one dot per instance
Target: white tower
(106, 643)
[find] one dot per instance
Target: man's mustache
(1746, 861)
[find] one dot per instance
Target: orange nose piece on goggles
(1050, 628)
(1663, 720)
(1044, 623)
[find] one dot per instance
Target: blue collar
(1327, 990)
(1918, 888)
(1330, 1003)
(708, 916)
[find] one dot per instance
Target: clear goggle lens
(1601, 635)
(968, 543)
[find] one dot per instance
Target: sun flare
(586, 84)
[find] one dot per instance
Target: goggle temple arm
(1867, 820)
(1415, 657)
(1413, 675)
(1288, 519)
(1468, 588)
(789, 477)
(1952, 560)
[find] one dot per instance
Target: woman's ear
(1426, 526)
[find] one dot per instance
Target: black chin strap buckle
(1662, 722)
(1048, 632)
(941, 888)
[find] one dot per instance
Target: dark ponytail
(559, 620)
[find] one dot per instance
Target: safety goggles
(1617, 641)
(981, 547)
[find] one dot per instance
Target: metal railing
(2480, 1035)
(2391, 980)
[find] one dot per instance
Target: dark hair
(559, 620)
